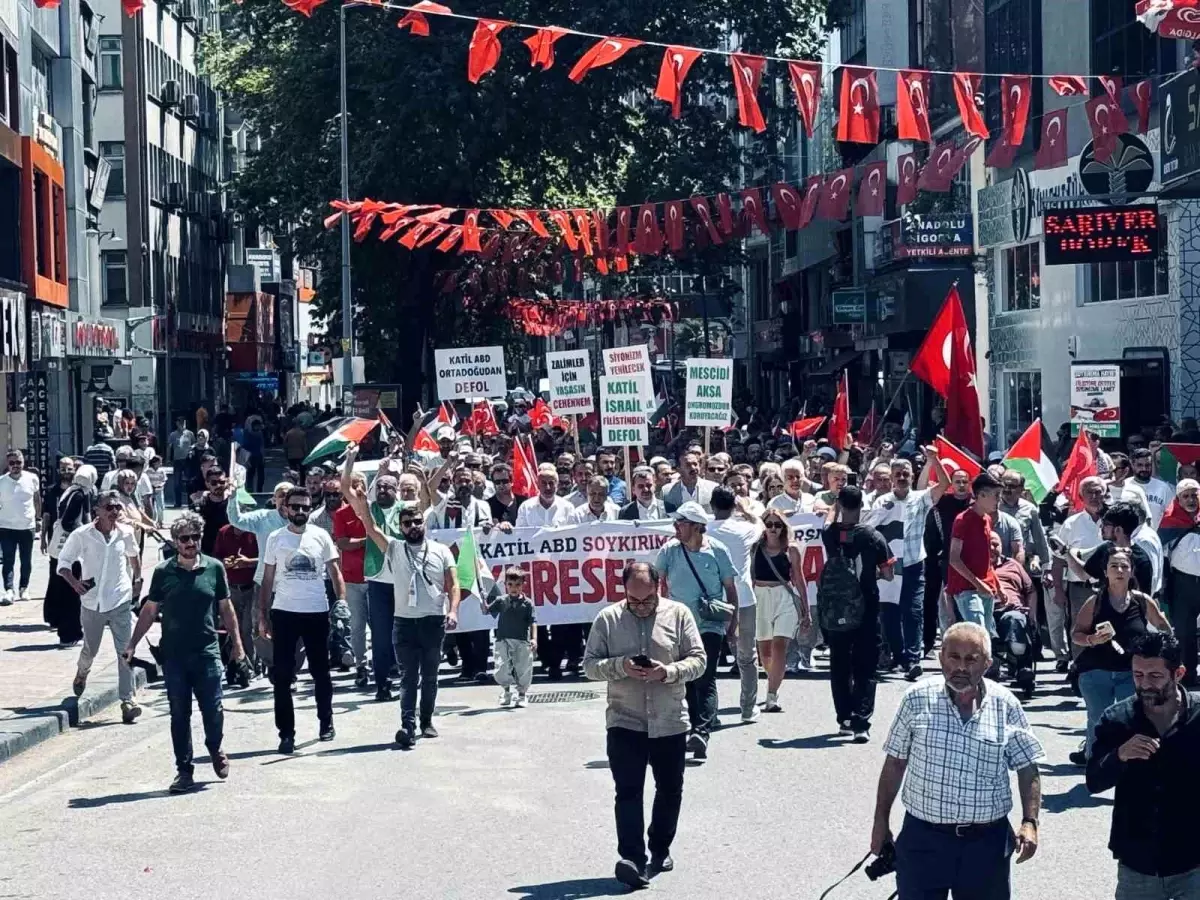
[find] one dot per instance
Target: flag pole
(575, 431)
(627, 467)
(707, 439)
(895, 397)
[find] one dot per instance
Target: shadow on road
(814, 742)
(34, 648)
(576, 889)
(21, 628)
(110, 799)
(1076, 798)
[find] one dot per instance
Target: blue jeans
(14, 542)
(904, 626)
(931, 863)
(179, 481)
(1101, 689)
(1133, 885)
(381, 607)
(974, 607)
(199, 675)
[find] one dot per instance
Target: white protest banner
(1096, 399)
(570, 382)
(709, 393)
(628, 362)
(575, 570)
(466, 372)
(623, 412)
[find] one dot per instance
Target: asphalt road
(505, 804)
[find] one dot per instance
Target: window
(1023, 392)
(5, 75)
(40, 83)
(1123, 46)
(116, 287)
(760, 288)
(110, 63)
(1022, 277)
(1131, 280)
(1013, 43)
(114, 152)
(854, 33)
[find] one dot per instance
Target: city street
(506, 803)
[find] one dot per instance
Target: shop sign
(103, 338)
(37, 410)
(1180, 111)
(1077, 236)
(935, 237)
(768, 335)
(849, 307)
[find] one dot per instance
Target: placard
(1096, 399)
(623, 411)
(631, 361)
(570, 382)
(465, 372)
(709, 401)
(1082, 236)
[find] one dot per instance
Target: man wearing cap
(698, 570)
(690, 488)
(1181, 539)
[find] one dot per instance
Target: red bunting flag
(725, 212)
(1112, 86)
(604, 52)
(415, 19)
(541, 46)
(835, 201)
(484, 50)
(872, 190)
(502, 218)
(452, 238)
(1106, 121)
(858, 114)
(600, 221)
(563, 221)
(814, 190)
(649, 238)
(530, 218)
(1069, 86)
(747, 76)
(583, 224)
(676, 63)
(752, 206)
(1002, 155)
(787, 204)
(1052, 152)
(673, 224)
(912, 105)
(906, 188)
(966, 92)
(704, 214)
(470, 231)
(1141, 101)
(806, 84)
(936, 174)
(624, 227)
(1016, 92)
(1080, 464)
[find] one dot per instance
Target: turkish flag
(806, 84)
(966, 88)
(932, 361)
(1016, 91)
(912, 105)
(451, 238)
(787, 204)
(604, 52)
(483, 419)
(1106, 121)
(839, 422)
(624, 222)
(470, 231)
(870, 425)
(673, 224)
(872, 190)
(1112, 86)
(936, 174)
(676, 63)
(906, 189)
(752, 206)
(835, 201)
(562, 219)
(802, 429)
(704, 214)
(1080, 464)
(484, 50)
(946, 363)
(1002, 154)
(747, 76)
(583, 224)
(858, 113)
(1069, 86)
(1052, 152)
(649, 240)
(524, 472)
(540, 414)
(416, 20)
(953, 459)
(531, 218)
(600, 221)
(541, 45)
(1141, 100)
(813, 192)
(725, 211)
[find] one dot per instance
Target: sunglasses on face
(112, 507)
(187, 539)
(298, 508)
(406, 524)
(774, 526)
(501, 481)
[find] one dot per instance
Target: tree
(421, 133)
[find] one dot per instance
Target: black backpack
(841, 606)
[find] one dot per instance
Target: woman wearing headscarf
(74, 510)
(50, 497)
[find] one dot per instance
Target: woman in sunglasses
(780, 599)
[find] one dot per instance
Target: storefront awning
(1171, 18)
(839, 362)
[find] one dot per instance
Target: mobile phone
(642, 661)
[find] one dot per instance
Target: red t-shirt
(975, 532)
(347, 524)
(229, 543)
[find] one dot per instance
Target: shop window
(116, 284)
(114, 152)
(40, 82)
(1139, 280)
(1022, 278)
(110, 63)
(1123, 46)
(1024, 400)
(760, 288)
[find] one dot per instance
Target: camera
(883, 864)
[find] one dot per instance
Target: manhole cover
(562, 696)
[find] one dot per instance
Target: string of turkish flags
(547, 317)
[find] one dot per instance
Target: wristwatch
(1032, 821)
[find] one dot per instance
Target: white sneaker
(520, 701)
(749, 717)
(24, 593)
(506, 698)
(772, 704)
(6, 599)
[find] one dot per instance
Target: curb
(23, 732)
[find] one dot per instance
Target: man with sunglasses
(294, 563)
(504, 503)
(426, 607)
(190, 592)
(214, 507)
(109, 563)
(340, 652)
(20, 513)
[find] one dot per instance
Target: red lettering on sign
(592, 571)
(568, 580)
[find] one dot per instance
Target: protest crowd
(506, 542)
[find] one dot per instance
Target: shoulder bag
(712, 609)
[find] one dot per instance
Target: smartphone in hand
(642, 661)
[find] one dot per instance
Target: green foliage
(421, 133)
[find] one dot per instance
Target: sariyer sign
(1102, 234)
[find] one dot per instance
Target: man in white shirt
(547, 509)
(427, 598)
(793, 499)
(179, 444)
(1158, 492)
(20, 513)
(460, 508)
(109, 564)
(739, 536)
(576, 492)
(598, 507)
(690, 488)
(295, 562)
(1079, 532)
(644, 507)
(1123, 488)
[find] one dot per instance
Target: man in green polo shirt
(190, 591)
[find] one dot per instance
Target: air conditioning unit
(169, 94)
(174, 195)
(187, 10)
(190, 107)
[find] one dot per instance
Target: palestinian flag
(1172, 456)
(474, 577)
(954, 458)
(342, 433)
(1033, 456)
(426, 449)
(443, 415)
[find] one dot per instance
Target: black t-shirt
(868, 549)
(502, 513)
(216, 516)
(1143, 569)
